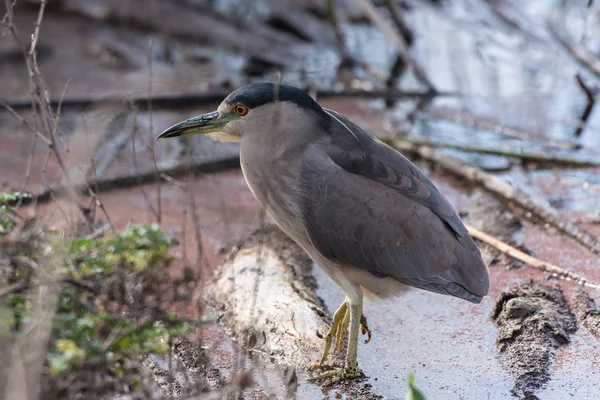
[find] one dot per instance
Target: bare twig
(540, 158)
(578, 52)
(28, 168)
(151, 135)
(399, 65)
(135, 164)
(347, 58)
(41, 97)
(396, 39)
(395, 10)
(523, 27)
(197, 230)
(96, 195)
(505, 191)
(23, 121)
(591, 101)
(532, 261)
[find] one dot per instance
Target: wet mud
(587, 312)
(534, 321)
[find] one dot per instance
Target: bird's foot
(342, 331)
(337, 375)
(316, 366)
(364, 327)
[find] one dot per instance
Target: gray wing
(374, 209)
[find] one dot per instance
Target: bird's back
(368, 206)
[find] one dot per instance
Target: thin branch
(395, 10)
(96, 195)
(28, 168)
(396, 39)
(176, 101)
(505, 191)
(399, 66)
(23, 121)
(347, 57)
(578, 52)
(532, 261)
(540, 158)
(40, 95)
(591, 101)
(151, 135)
(137, 173)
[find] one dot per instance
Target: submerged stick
(186, 100)
(129, 181)
(529, 260)
(505, 191)
(525, 156)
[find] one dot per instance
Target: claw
(315, 366)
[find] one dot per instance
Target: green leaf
(413, 393)
(14, 196)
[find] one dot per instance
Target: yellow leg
(342, 332)
(333, 331)
(350, 370)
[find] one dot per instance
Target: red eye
(241, 110)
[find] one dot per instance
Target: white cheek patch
(222, 137)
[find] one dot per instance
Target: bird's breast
(275, 183)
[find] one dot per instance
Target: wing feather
(372, 208)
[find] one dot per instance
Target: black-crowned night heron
(361, 210)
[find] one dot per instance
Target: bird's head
(243, 109)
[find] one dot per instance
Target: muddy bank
(534, 321)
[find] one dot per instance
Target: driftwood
(505, 191)
(270, 273)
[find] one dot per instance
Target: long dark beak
(202, 124)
